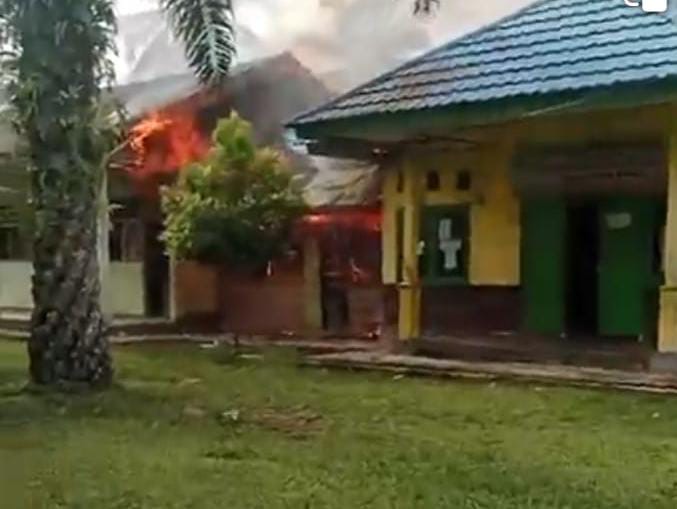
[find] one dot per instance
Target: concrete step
(10, 327)
(542, 374)
(621, 355)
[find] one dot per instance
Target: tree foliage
(236, 207)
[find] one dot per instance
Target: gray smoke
(355, 40)
(344, 42)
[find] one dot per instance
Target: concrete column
(173, 308)
(409, 316)
(667, 325)
(103, 248)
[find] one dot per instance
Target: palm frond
(425, 6)
(207, 29)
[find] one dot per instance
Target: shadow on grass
(153, 383)
(128, 400)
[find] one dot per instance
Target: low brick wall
(196, 295)
(263, 305)
(208, 297)
(462, 310)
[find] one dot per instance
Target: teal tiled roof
(550, 47)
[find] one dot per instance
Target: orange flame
(369, 220)
(164, 142)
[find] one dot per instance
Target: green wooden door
(543, 265)
(625, 265)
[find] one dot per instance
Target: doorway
(156, 272)
(582, 262)
(590, 268)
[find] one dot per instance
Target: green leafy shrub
(236, 207)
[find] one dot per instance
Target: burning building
(172, 120)
(170, 123)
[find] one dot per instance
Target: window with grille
(445, 244)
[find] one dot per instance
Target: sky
(355, 39)
(288, 18)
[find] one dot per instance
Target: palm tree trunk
(68, 340)
(62, 60)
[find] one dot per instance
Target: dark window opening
(400, 182)
(432, 180)
(11, 244)
(463, 181)
(126, 240)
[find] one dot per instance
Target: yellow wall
(495, 230)
(495, 222)
(495, 206)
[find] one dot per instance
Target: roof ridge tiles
(526, 68)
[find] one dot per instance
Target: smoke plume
(344, 42)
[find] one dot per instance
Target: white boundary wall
(124, 288)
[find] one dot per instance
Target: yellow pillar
(409, 319)
(312, 285)
(667, 326)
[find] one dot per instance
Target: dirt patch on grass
(295, 422)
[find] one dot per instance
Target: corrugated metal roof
(550, 47)
(342, 182)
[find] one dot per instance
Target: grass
(189, 428)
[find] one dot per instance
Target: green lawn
(312, 439)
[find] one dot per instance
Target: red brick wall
(196, 289)
(470, 310)
(258, 304)
(263, 305)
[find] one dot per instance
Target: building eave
(392, 128)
